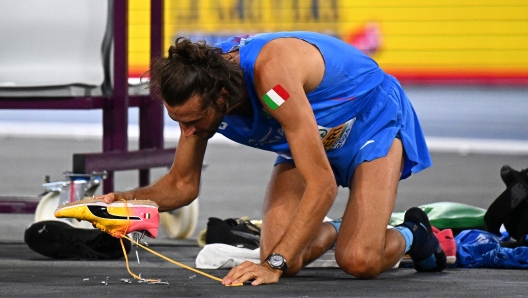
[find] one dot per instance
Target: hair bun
(197, 53)
(196, 68)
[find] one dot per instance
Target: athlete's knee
(359, 261)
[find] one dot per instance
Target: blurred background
(417, 41)
(463, 63)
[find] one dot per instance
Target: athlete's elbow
(332, 191)
(187, 191)
(180, 197)
(189, 196)
(328, 187)
(177, 202)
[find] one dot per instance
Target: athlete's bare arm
(179, 186)
(298, 67)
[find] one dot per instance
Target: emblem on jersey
(335, 137)
(241, 41)
(276, 97)
(222, 125)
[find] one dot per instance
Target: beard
(218, 116)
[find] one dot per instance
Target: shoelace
(157, 254)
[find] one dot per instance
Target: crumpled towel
(224, 256)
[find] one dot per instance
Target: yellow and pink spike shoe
(117, 218)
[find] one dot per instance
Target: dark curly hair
(195, 68)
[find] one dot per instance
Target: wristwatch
(276, 261)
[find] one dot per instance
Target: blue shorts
(388, 114)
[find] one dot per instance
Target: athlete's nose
(188, 130)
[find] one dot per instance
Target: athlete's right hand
(110, 197)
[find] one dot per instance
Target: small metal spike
(160, 282)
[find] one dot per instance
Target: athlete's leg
(283, 195)
(364, 247)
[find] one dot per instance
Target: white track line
(481, 146)
(81, 131)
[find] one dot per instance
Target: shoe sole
(406, 260)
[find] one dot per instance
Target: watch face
(276, 260)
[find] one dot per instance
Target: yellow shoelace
(159, 255)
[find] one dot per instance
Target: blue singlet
(359, 109)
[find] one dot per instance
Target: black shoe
(61, 240)
(426, 251)
(235, 232)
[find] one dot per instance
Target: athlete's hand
(259, 273)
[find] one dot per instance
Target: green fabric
(448, 215)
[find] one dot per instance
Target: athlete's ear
(221, 99)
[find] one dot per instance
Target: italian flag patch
(276, 97)
(147, 215)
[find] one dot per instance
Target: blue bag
(507, 258)
(481, 249)
(472, 244)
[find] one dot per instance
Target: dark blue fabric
(481, 249)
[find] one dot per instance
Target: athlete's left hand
(259, 273)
